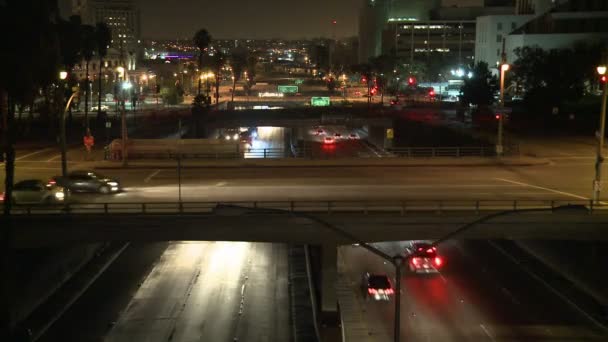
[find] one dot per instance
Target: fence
(482, 151)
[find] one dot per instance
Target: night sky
(169, 19)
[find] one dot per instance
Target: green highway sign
(320, 101)
(298, 82)
(287, 89)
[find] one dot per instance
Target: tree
(545, 80)
(88, 47)
(252, 62)
(201, 39)
(218, 61)
(480, 89)
(103, 40)
(238, 62)
(383, 67)
(366, 71)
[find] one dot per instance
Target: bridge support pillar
(329, 276)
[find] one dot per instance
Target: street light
(601, 70)
(504, 67)
(63, 75)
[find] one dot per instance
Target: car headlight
(59, 195)
(235, 137)
(228, 137)
(112, 183)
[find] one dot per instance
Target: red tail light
(2, 197)
(416, 261)
(52, 182)
(371, 291)
(389, 291)
(438, 261)
(430, 251)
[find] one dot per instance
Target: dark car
(423, 257)
(87, 181)
(377, 287)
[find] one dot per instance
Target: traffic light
(497, 116)
(363, 79)
(411, 81)
(432, 93)
(603, 79)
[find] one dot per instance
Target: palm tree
(217, 63)
(201, 39)
(104, 37)
(238, 61)
(87, 50)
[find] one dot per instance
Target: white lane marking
(221, 183)
(149, 178)
(485, 330)
(54, 158)
(33, 154)
(547, 285)
(543, 188)
(29, 155)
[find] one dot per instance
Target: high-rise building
(372, 18)
(548, 24)
(123, 18)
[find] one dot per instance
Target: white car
(103, 107)
(34, 191)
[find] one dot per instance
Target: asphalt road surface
(479, 296)
(566, 177)
(186, 291)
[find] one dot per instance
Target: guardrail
(481, 151)
(401, 207)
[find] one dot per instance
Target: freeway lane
(479, 296)
(212, 291)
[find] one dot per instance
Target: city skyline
(272, 19)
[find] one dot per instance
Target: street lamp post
(504, 67)
(601, 70)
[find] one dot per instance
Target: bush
(171, 96)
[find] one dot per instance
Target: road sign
(287, 89)
(298, 82)
(320, 101)
(390, 133)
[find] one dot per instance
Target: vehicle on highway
(377, 287)
(338, 135)
(87, 181)
(34, 191)
(328, 140)
(103, 107)
(353, 136)
(422, 257)
(320, 132)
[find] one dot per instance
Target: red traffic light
(432, 92)
(363, 80)
(411, 80)
(603, 79)
(497, 116)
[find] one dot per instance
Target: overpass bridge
(327, 224)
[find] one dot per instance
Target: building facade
(561, 25)
(123, 19)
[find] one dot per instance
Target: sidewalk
(341, 162)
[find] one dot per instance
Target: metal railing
(295, 152)
(402, 207)
(480, 151)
